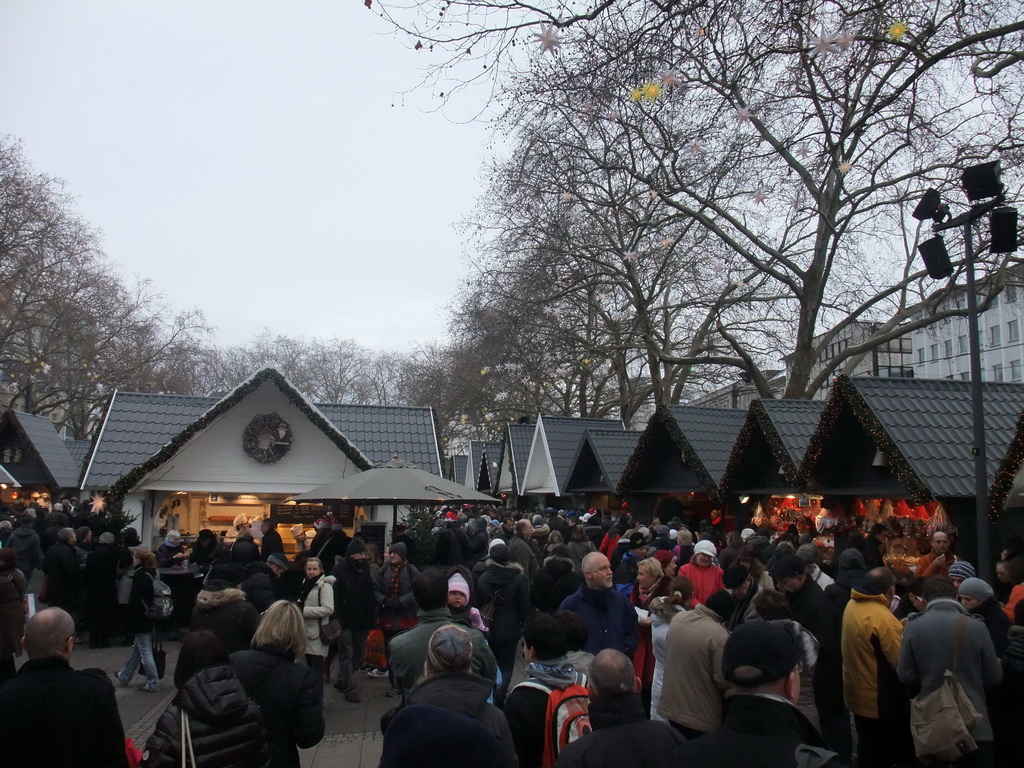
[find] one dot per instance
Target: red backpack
(566, 719)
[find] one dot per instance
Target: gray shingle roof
(711, 432)
(610, 449)
(50, 446)
(382, 430)
(516, 442)
(79, 450)
(924, 429)
(770, 447)
(703, 438)
(458, 468)
(563, 435)
(138, 424)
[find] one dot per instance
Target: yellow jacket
(864, 685)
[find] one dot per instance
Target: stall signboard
(307, 514)
(373, 533)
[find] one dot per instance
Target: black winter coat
(623, 736)
(226, 727)
(814, 612)
(61, 567)
(756, 733)
(244, 551)
(271, 543)
(290, 697)
(226, 613)
(139, 600)
(997, 623)
(466, 695)
(258, 585)
(25, 543)
(508, 586)
(33, 735)
(555, 581)
(354, 603)
(101, 583)
(452, 547)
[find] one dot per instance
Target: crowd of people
(638, 644)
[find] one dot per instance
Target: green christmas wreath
(267, 438)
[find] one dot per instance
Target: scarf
(307, 587)
(395, 585)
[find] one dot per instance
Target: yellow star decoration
(898, 30)
(649, 91)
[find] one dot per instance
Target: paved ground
(353, 730)
(352, 736)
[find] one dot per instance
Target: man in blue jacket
(610, 617)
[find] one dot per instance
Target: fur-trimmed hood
(216, 598)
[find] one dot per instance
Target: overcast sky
(245, 157)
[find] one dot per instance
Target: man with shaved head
(610, 617)
(32, 734)
(622, 734)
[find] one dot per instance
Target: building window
(1010, 294)
(995, 301)
(1015, 370)
(948, 348)
(965, 376)
(997, 372)
(1013, 330)
(920, 354)
(964, 346)
(995, 334)
(935, 351)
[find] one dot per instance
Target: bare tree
(788, 139)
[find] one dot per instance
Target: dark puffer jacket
(226, 727)
(290, 697)
(506, 585)
(226, 613)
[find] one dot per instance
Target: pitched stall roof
(137, 426)
(7, 477)
(480, 475)
(79, 450)
(770, 448)
(683, 448)
(554, 447)
(600, 460)
(922, 429)
(41, 438)
(513, 456)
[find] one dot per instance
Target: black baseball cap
(759, 652)
(788, 565)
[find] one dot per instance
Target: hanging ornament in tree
(668, 242)
(548, 39)
(567, 196)
(628, 257)
(696, 147)
(803, 151)
(574, 216)
(760, 196)
(744, 115)
(669, 78)
(823, 44)
(649, 92)
(898, 30)
(845, 39)
(845, 167)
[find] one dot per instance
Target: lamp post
(979, 182)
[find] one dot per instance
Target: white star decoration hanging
(823, 44)
(845, 167)
(574, 216)
(744, 115)
(628, 257)
(696, 146)
(803, 151)
(669, 78)
(760, 196)
(548, 38)
(845, 39)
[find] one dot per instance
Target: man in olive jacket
(409, 648)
